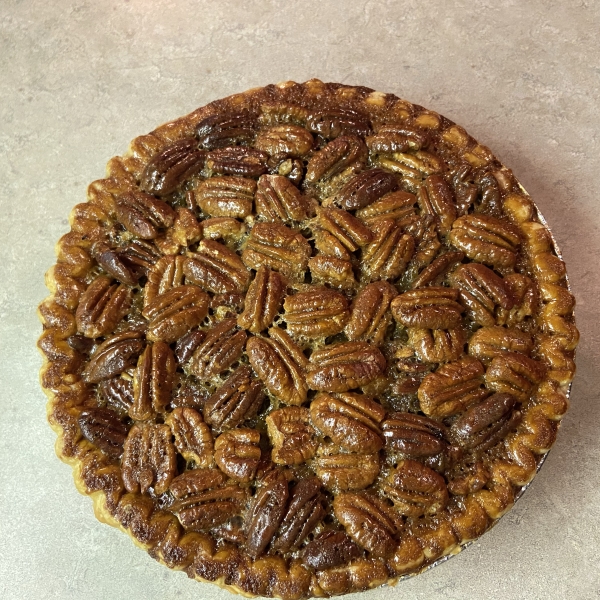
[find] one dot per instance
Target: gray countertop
(80, 78)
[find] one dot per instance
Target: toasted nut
(226, 196)
(428, 308)
(390, 139)
(342, 153)
(193, 439)
(437, 269)
(284, 139)
(113, 356)
(436, 199)
(103, 428)
(278, 199)
(365, 188)
(414, 435)
(329, 549)
(244, 162)
(218, 131)
(335, 122)
(166, 274)
(396, 206)
(489, 342)
(293, 438)
(349, 230)
(437, 345)
(524, 294)
(515, 374)
(341, 471)
(143, 214)
(263, 300)
(335, 272)
(237, 453)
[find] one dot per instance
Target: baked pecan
(524, 294)
(329, 549)
(153, 381)
(335, 122)
(143, 214)
(348, 230)
(104, 428)
(263, 300)
(488, 342)
(193, 439)
(319, 312)
(236, 401)
(280, 365)
(369, 521)
(278, 199)
(484, 424)
(424, 230)
(139, 256)
(279, 248)
(396, 206)
(388, 255)
(428, 308)
(187, 345)
(149, 459)
(515, 374)
(186, 230)
(370, 317)
(101, 307)
(437, 345)
(272, 113)
(352, 421)
(113, 356)
(332, 271)
(486, 240)
(291, 168)
(465, 190)
(452, 388)
(113, 263)
(203, 501)
(342, 153)
(292, 437)
(216, 268)
(329, 245)
(168, 169)
(118, 394)
(342, 367)
(244, 162)
(393, 138)
(341, 471)
(289, 139)
(222, 346)
(237, 453)
(415, 489)
(175, 312)
(166, 274)
(226, 196)
(434, 272)
(436, 198)
(414, 167)
(414, 435)
(365, 188)
(218, 131)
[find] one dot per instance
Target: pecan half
(292, 437)
(392, 138)
(365, 188)
(104, 428)
(278, 199)
(143, 214)
(414, 167)
(193, 439)
(244, 162)
(329, 549)
(237, 453)
(149, 459)
(332, 271)
(342, 153)
(437, 345)
(434, 272)
(414, 435)
(118, 394)
(331, 123)
(424, 230)
(186, 230)
(346, 228)
(166, 274)
(272, 113)
(488, 342)
(225, 228)
(524, 294)
(436, 198)
(139, 256)
(292, 140)
(226, 196)
(515, 374)
(218, 131)
(113, 263)
(428, 308)
(341, 471)
(396, 206)
(452, 388)
(187, 345)
(263, 300)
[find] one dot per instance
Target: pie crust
(306, 340)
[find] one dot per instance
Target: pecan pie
(306, 340)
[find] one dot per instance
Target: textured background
(79, 79)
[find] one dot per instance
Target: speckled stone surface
(80, 78)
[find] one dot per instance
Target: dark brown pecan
(101, 307)
(415, 489)
(414, 435)
(524, 294)
(434, 272)
(263, 300)
(484, 424)
(365, 188)
(388, 255)
(175, 312)
(396, 206)
(369, 521)
(139, 256)
(280, 365)
(118, 394)
(143, 214)
(237, 453)
(193, 439)
(346, 228)
(244, 162)
(273, 113)
(370, 317)
(486, 240)
(452, 388)
(414, 167)
(341, 471)
(342, 153)
(335, 122)
(226, 196)
(515, 374)
(424, 230)
(428, 308)
(316, 313)
(165, 275)
(488, 342)
(437, 345)
(436, 198)
(216, 268)
(218, 131)
(153, 381)
(236, 401)
(329, 245)
(222, 346)
(284, 139)
(104, 429)
(167, 170)
(187, 345)
(393, 138)
(305, 510)
(149, 459)
(352, 421)
(293, 438)
(331, 271)
(278, 199)
(203, 501)
(266, 514)
(279, 248)
(113, 356)
(329, 549)
(113, 263)
(342, 367)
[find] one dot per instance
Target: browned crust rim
(159, 532)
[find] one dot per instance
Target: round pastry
(306, 340)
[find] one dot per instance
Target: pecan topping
(139, 256)
(437, 345)
(524, 294)
(434, 272)
(104, 429)
(351, 420)
(424, 230)
(515, 374)
(452, 388)
(342, 153)
(118, 394)
(149, 459)
(236, 401)
(237, 453)
(428, 308)
(335, 272)
(335, 122)
(263, 300)
(397, 206)
(143, 214)
(114, 263)
(245, 162)
(329, 549)
(187, 345)
(165, 275)
(317, 313)
(113, 356)
(284, 139)
(293, 438)
(390, 139)
(342, 367)
(273, 113)
(186, 230)
(341, 471)
(414, 435)
(226, 196)
(225, 228)
(101, 307)
(414, 167)
(489, 342)
(280, 365)
(436, 198)
(347, 229)
(193, 439)
(218, 131)
(279, 248)
(278, 199)
(365, 188)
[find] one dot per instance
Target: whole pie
(306, 340)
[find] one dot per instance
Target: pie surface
(306, 340)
